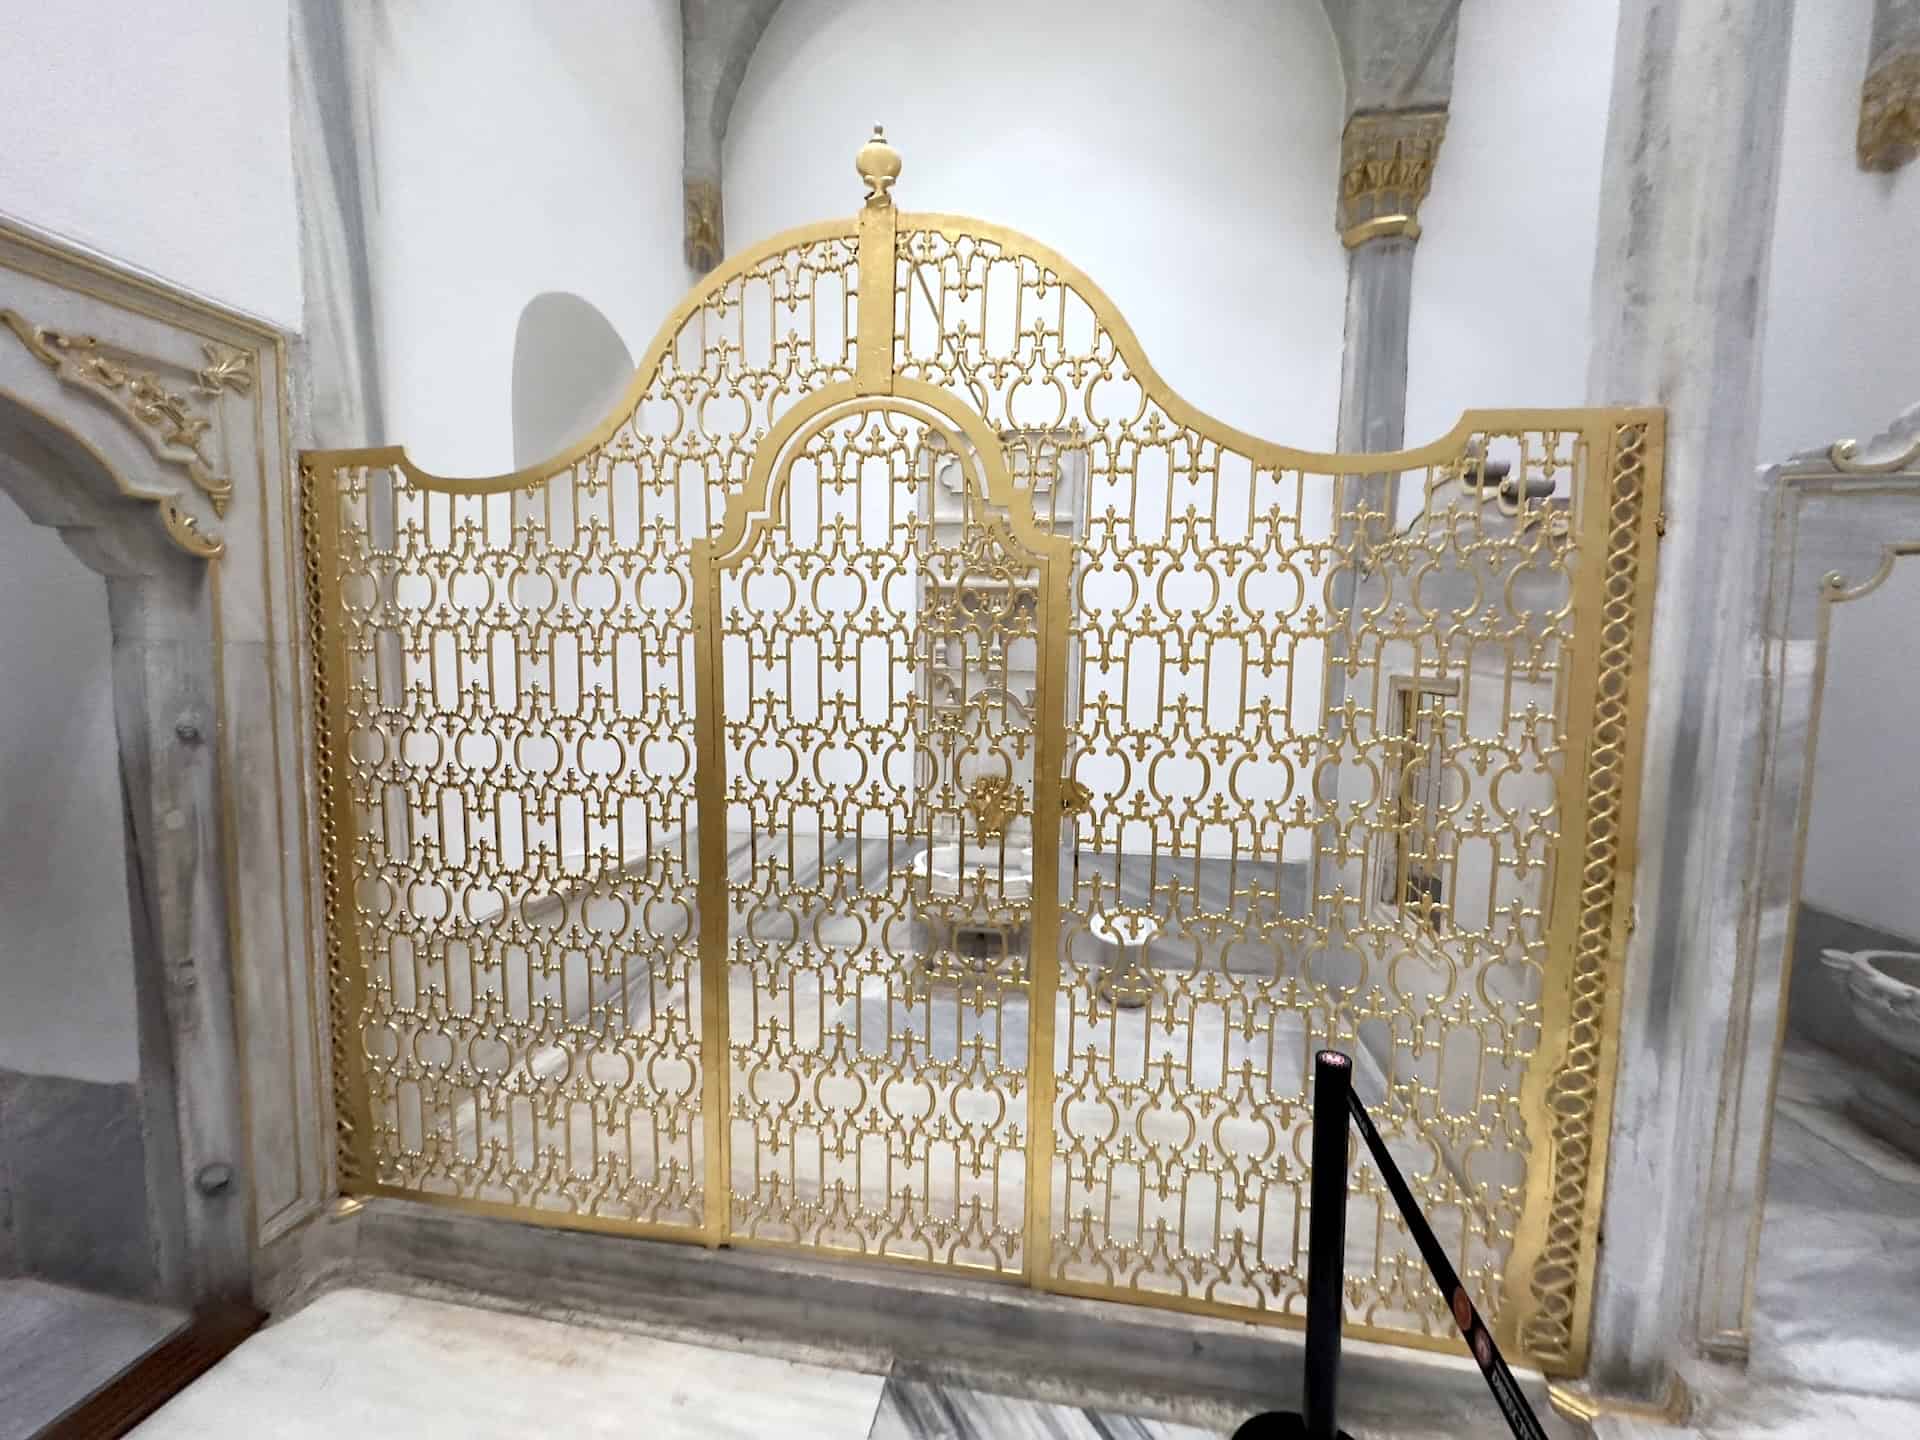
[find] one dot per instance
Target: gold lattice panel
(877, 639)
(912, 786)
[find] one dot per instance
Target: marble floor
(372, 1365)
(1837, 1299)
(1836, 1318)
(57, 1346)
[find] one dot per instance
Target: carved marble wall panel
(183, 405)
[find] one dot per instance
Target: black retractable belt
(1333, 1101)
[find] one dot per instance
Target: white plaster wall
(66, 947)
(1186, 157)
(517, 148)
(158, 135)
(1842, 354)
(1504, 272)
(1842, 358)
(569, 368)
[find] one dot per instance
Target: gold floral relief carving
(173, 422)
(170, 423)
(995, 802)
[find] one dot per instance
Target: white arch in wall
(570, 368)
(1214, 237)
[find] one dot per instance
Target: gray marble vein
(924, 1410)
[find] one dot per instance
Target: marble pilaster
(1687, 203)
(1386, 168)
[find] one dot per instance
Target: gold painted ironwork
(871, 796)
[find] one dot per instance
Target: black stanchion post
(1326, 1264)
(1519, 1415)
(1326, 1243)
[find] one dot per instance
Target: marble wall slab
(212, 721)
(73, 1184)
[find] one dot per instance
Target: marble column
(166, 707)
(1386, 167)
(1686, 223)
(339, 394)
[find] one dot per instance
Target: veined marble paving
(1836, 1315)
(371, 1365)
(368, 1365)
(923, 1410)
(1837, 1294)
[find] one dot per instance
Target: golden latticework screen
(912, 787)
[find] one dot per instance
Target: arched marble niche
(1828, 527)
(147, 430)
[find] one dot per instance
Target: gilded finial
(879, 165)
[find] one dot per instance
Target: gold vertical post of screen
(1636, 453)
(873, 374)
(1043, 965)
(1567, 1094)
(710, 812)
(346, 970)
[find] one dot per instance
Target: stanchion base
(1277, 1425)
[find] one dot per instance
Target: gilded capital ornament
(1890, 113)
(1386, 165)
(704, 246)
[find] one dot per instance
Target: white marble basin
(1009, 874)
(1883, 988)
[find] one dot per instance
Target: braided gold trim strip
(339, 988)
(1549, 1331)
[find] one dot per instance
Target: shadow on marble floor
(1837, 1296)
(58, 1345)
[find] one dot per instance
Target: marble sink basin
(946, 874)
(1883, 990)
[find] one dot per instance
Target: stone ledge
(870, 1317)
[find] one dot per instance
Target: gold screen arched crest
(909, 785)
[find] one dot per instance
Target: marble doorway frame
(150, 428)
(1830, 521)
